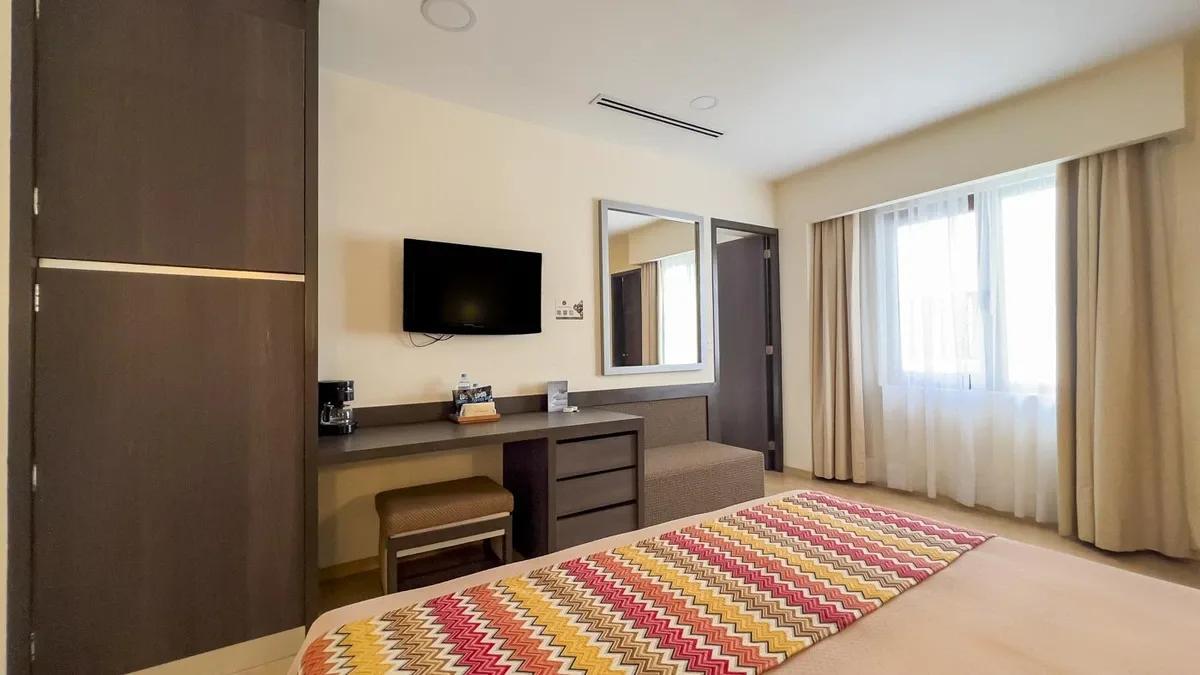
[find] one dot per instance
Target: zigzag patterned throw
(739, 594)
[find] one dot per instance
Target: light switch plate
(565, 312)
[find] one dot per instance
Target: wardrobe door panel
(169, 435)
(171, 132)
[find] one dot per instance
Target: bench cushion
(436, 504)
(690, 478)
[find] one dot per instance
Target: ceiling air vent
(614, 104)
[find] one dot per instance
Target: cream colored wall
(395, 164)
(618, 253)
(651, 241)
(657, 240)
(1135, 99)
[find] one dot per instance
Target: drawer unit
(580, 481)
(592, 455)
(596, 490)
(585, 527)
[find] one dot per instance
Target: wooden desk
(575, 477)
(398, 440)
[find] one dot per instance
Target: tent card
(556, 396)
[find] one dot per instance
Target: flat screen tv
(455, 289)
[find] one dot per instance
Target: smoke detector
(455, 16)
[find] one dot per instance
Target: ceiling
(799, 81)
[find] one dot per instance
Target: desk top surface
(406, 439)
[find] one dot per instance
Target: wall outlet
(565, 312)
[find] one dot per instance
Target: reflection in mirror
(652, 313)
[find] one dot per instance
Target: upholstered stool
(425, 518)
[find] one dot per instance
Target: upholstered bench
(690, 478)
(685, 472)
(425, 518)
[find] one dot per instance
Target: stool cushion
(424, 506)
(691, 478)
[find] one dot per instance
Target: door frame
(774, 456)
(22, 267)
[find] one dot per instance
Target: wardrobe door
(171, 132)
(169, 435)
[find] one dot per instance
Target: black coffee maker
(335, 416)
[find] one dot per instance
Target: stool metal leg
(507, 543)
(393, 567)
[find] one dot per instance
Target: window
(679, 322)
(1027, 238)
(966, 281)
(937, 292)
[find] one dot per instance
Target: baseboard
(235, 658)
(349, 568)
(798, 473)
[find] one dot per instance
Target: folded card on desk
(556, 396)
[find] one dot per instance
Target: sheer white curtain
(959, 348)
(679, 325)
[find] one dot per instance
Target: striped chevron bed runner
(738, 594)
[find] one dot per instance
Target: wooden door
(168, 435)
(627, 318)
(171, 132)
(743, 319)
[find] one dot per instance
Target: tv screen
(471, 290)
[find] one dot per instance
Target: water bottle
(464, 382)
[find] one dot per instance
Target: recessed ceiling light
(705, 102)
(455, 16)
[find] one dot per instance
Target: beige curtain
(650, 313)
(838, 428)
(1121, 461)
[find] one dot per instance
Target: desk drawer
(594, 525)
(592, 455)
(596, 490)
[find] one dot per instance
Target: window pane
(1027, 236)
(938, 293)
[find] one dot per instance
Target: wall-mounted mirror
(654, 276)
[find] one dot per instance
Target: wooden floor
(349, 590)
(366, 585)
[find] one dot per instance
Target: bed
(907, 595)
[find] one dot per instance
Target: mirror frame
(704, 297)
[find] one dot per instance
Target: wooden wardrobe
(173, 328)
